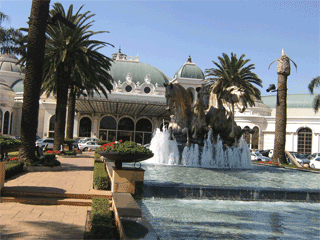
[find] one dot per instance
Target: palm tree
(72, 58)
(232, 81)
(9, 38)
(33, 78)
(283, 71)
(316, 101)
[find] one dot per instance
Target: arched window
(11, 120)
(51, 126)
(304, 140)
(126, 124)
(0, 121)
(246, 136)
(255, 138)
(107, 131)
(6, 122)
(85, 127)
(125, 129)
(143, 131)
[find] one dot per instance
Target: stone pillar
(76, 126)
(95, 127)
(127, 180)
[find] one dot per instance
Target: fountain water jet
(209, 156)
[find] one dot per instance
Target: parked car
(270, 154)
(313, 156)
(315, 163)
(256, 156)
(300, 158)
(85, 146)
(47, 142)
(88, 139)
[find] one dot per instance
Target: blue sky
(165, 33)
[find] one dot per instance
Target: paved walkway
(27, 221)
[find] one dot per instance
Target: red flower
(112, 147)
(113, 143)
(261, 162)
(104, 148)
(120, 140)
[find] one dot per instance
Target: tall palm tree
(72, 57)
(232, 81)
(283, 71)
(316, 101)
(33, 78)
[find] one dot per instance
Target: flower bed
(123, 147)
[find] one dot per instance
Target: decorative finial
(283, 52)
(119, 49)
(189, 59)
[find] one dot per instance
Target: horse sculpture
(181, 100)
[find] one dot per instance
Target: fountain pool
(216, 219)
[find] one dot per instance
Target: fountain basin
(119, 158)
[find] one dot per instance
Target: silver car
(47, 142)
(85, 146)
(301, 159)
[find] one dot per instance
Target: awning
(122, 107)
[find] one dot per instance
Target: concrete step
(48, 201)
(20, 192)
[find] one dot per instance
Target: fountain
(210, 155)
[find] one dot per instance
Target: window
(108, 126)
(304, 140)
(255, 138)
(128, 88)
(147, 90)
(143, 131)
(51, 126)
(0, 121)
(6, 123)
(85, 127)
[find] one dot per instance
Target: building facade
(136, 107)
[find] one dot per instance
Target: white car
(315, 163)
(314, 156)
(85, 146)
(259, 157)
(47, 142)
(84, 140)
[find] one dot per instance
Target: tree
(33, 78)
(232, 81)
(72, 59)
(316, 101)
(283, 71)
(9, 38)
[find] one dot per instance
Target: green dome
(189, 70)
(139, 71)
(17, 86)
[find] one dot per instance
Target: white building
(137, 104)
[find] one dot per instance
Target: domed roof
(4, 86)
(189, 70)
(8, 63)
(18, 86)
(123, 68)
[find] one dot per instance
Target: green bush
(102, 142)
(100, 176)
(13, 169)
(7, 142)
(70, 153)
(101, 219)
(101, 183)
(49, 157)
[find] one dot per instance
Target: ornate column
(95, 127)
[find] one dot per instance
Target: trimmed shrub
(13, 169)
(101, 219)
(100, 176)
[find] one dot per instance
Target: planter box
(41, 168)
(2, 174)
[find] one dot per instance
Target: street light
(272, 88)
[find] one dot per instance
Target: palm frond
(314, 83)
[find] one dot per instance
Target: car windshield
(299, 156)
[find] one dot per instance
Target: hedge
(101, 219)
(100, 176)
(13, 169)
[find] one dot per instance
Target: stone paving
(27, 221)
